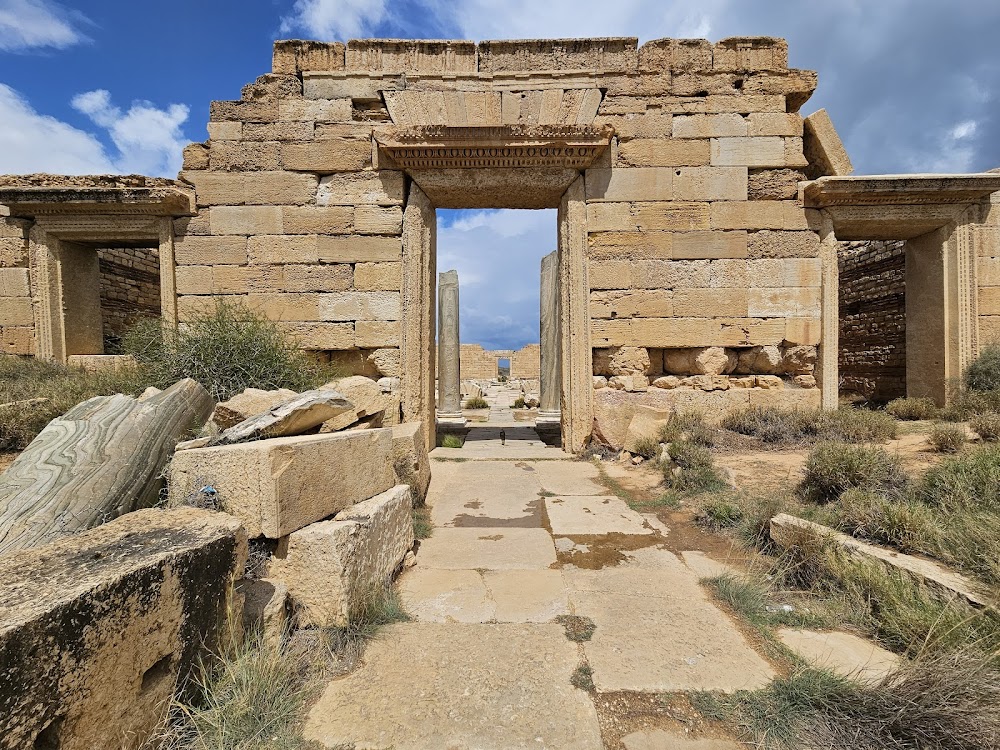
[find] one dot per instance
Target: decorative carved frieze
(906, 190)
(509, 147)
(70, 200)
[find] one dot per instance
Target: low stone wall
(873, 319)
(97, 629)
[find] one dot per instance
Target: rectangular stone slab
(95, 628)
(278, 486)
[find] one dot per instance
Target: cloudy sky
(121, 86)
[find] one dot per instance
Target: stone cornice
(35, 201)
(505, 147)
(899, 190)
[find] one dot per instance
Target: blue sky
(122, 86)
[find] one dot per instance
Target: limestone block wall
(987, 240)
(873, 319)
(17, 329)
(476, 363)
(525, 363)
(130, 289)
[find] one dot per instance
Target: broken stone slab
(659, 739)
(389, 385)
(789, 531)
(278, 486)
(846, 654)
(250, 403)
(367, 398)
(332, 568)
(96, 628)
(646, 424)
(265, 609)
(294, 416)
(410, 459)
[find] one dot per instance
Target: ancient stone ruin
(713, 253)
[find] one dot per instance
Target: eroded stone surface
(658, 739)
(488, 548)
(433, 686)
(593, 514)
(843, 653)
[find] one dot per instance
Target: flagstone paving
(485, 663)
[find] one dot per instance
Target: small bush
(765, 422)
(778, 426)
(968, 481)
(901, 523)
(227, 349)
(692, 470)
(478, 402)
(834, 467)
(912, 408)
(451, 441)
(983, 374)
(720, 513)
(647, 447)
(519, 402)
(947, 438)
(987, 426)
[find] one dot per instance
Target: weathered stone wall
(873, 319)
(987, 237)
(17, 331)
(525, 363)
(477, 363)
(130, 289)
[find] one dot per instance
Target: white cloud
(146, 140)
(28, 24)
(31, 142)
(497, 255)
(149, 140)
(334, 20)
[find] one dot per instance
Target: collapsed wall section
(873, 319)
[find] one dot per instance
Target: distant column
(449, 401)
(550, 374)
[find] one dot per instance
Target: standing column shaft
(550, 372)
(449, 374)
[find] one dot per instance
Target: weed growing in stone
(422, 526)
(577, 628)
(477, 402)
(451, 441)
(583, 678)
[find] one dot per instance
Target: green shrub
(897, 522)
(720, 513)
(912, 408)
(478, 402)
(227, 349)
(969, 480)
(692, 470)
(25, 379)
(687, 426)
(647, 447)
(947, 438)
(983, 374)
(987, 426)
(451, 441)
(834, 467)
(519, 402)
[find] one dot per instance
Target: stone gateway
(700, 220)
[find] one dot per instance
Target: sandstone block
(410, 459)
(378, 276)
(327, 278)
(643, 152)
(17, 340)
(387, 361)
(280, 485)
(710, 303)
(193, 279)
(786, 124)
(14, 282)
(600, 382)
(259, 111)
(671, 274)
(16, 311)
(629, 383)
(246, 404)
(280, 249)
(627, 360)
(767, 244)
(292, 416)
(326, 156)
(97, 627)
(321, 220)
(787, 272)
(749, 152)
(238, 156)
(360, 249)
(823, 148)
(278, 131)
(687, 332)
(750, 53)
(380, 306)
(657, 125)
(195, 156)
(675, 55)
(804, 381)
(667, 382)
(225, 131)
(789, 302)
(246, 220)
(368, 400)
(381, 188)
(803, 331)
(774, 184)
(377, 333)
(646, 424)
(642, 303)
(194, 250)
(332, 568)
(253, 188)
(711, 183)
(799, 360)
(707, 245)
(759, 360)
(317, 110)
(378, 220)
(321, 336)
(709, 126)
(295, 56)
(758, 215)
(622, 184)
(265, 609)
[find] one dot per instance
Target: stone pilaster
(550, 375)
(449, 401)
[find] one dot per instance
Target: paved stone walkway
(484, 664)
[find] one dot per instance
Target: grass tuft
(583, 678)
(451, 441)
(691, 470)
(478, 402)
(983, 374)
(647, 447)
(947, 438)
(912, 408)
(782, 427)
(422, 526)
(834, 467)
(987, 426)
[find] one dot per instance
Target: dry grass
(947, 438)
(912, 408)
(987, 426)
(834, 467)
(478, 402)
(691, 470)
(782, 427)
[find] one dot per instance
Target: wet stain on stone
(594, 552)
(522, 465)
(475, 505)
(492, 538)
(531, 520)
